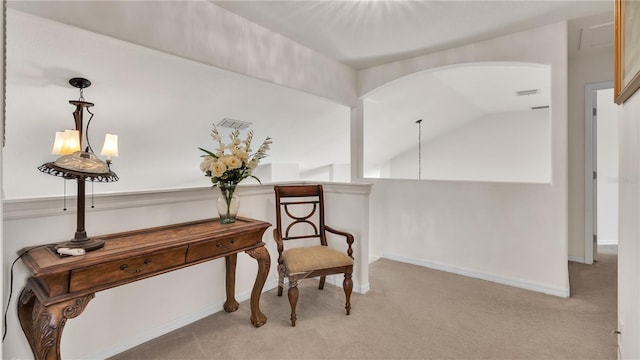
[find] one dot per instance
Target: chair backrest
(300, 212)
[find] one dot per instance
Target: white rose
(206, 163)
(218, 168)
(233, 162)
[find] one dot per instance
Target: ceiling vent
(234, 124)
(528, 92)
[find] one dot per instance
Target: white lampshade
(110, 147)
(66, 142)
(71, 142)
(58, 143)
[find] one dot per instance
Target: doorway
(601, 144)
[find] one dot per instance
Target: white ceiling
(362, 34)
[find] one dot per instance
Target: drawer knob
(219, 243)
(125, 267)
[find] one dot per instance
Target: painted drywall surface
(511, 233)
(629, 230)
(523, 46)
(347, 208)
(204, 32)
(277, 172)
(597, 67)
(607, 164)
(476, 229)
(332, 172)
(506, 147)
(125, 316)
(161, 121)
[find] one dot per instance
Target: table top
(44, 260)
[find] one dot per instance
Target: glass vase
(228, 202)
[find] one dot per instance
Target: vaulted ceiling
(362, 34)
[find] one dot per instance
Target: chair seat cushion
(305, 259)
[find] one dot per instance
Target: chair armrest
(280, 244)
(347, 235)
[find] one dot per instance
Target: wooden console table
(61, 286)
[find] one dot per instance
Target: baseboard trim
(528, 285)
(362, 289)
(336, 280)
(607, 241)
(577, 259)
(170, 326)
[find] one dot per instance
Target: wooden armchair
(300, 215)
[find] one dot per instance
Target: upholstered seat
(300, 216)
(307, 259)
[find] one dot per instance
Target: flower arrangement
(234, 162)
(230, 164)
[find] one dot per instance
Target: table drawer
(121, 271)
(218, 247)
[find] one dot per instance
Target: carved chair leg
(322, 279)
(347, 284)
(280, 278)
(293, 298)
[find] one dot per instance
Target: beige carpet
(413, 312)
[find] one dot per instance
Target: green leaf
(260, 182)
(208, 152)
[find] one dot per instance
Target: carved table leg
(43, 325)
(231, 305)
(264, 263)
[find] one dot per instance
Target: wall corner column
(357, 142)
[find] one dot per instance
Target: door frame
(590, 165)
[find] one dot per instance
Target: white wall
(510, 233)
(583, 70)
(331, 172)
(629, 230)
(169, 102)
(490, 231)
(161, 120)
(506, 147)
(277, 172)
(607, 165)
(123, 316)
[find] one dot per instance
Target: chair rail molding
(51, 206)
